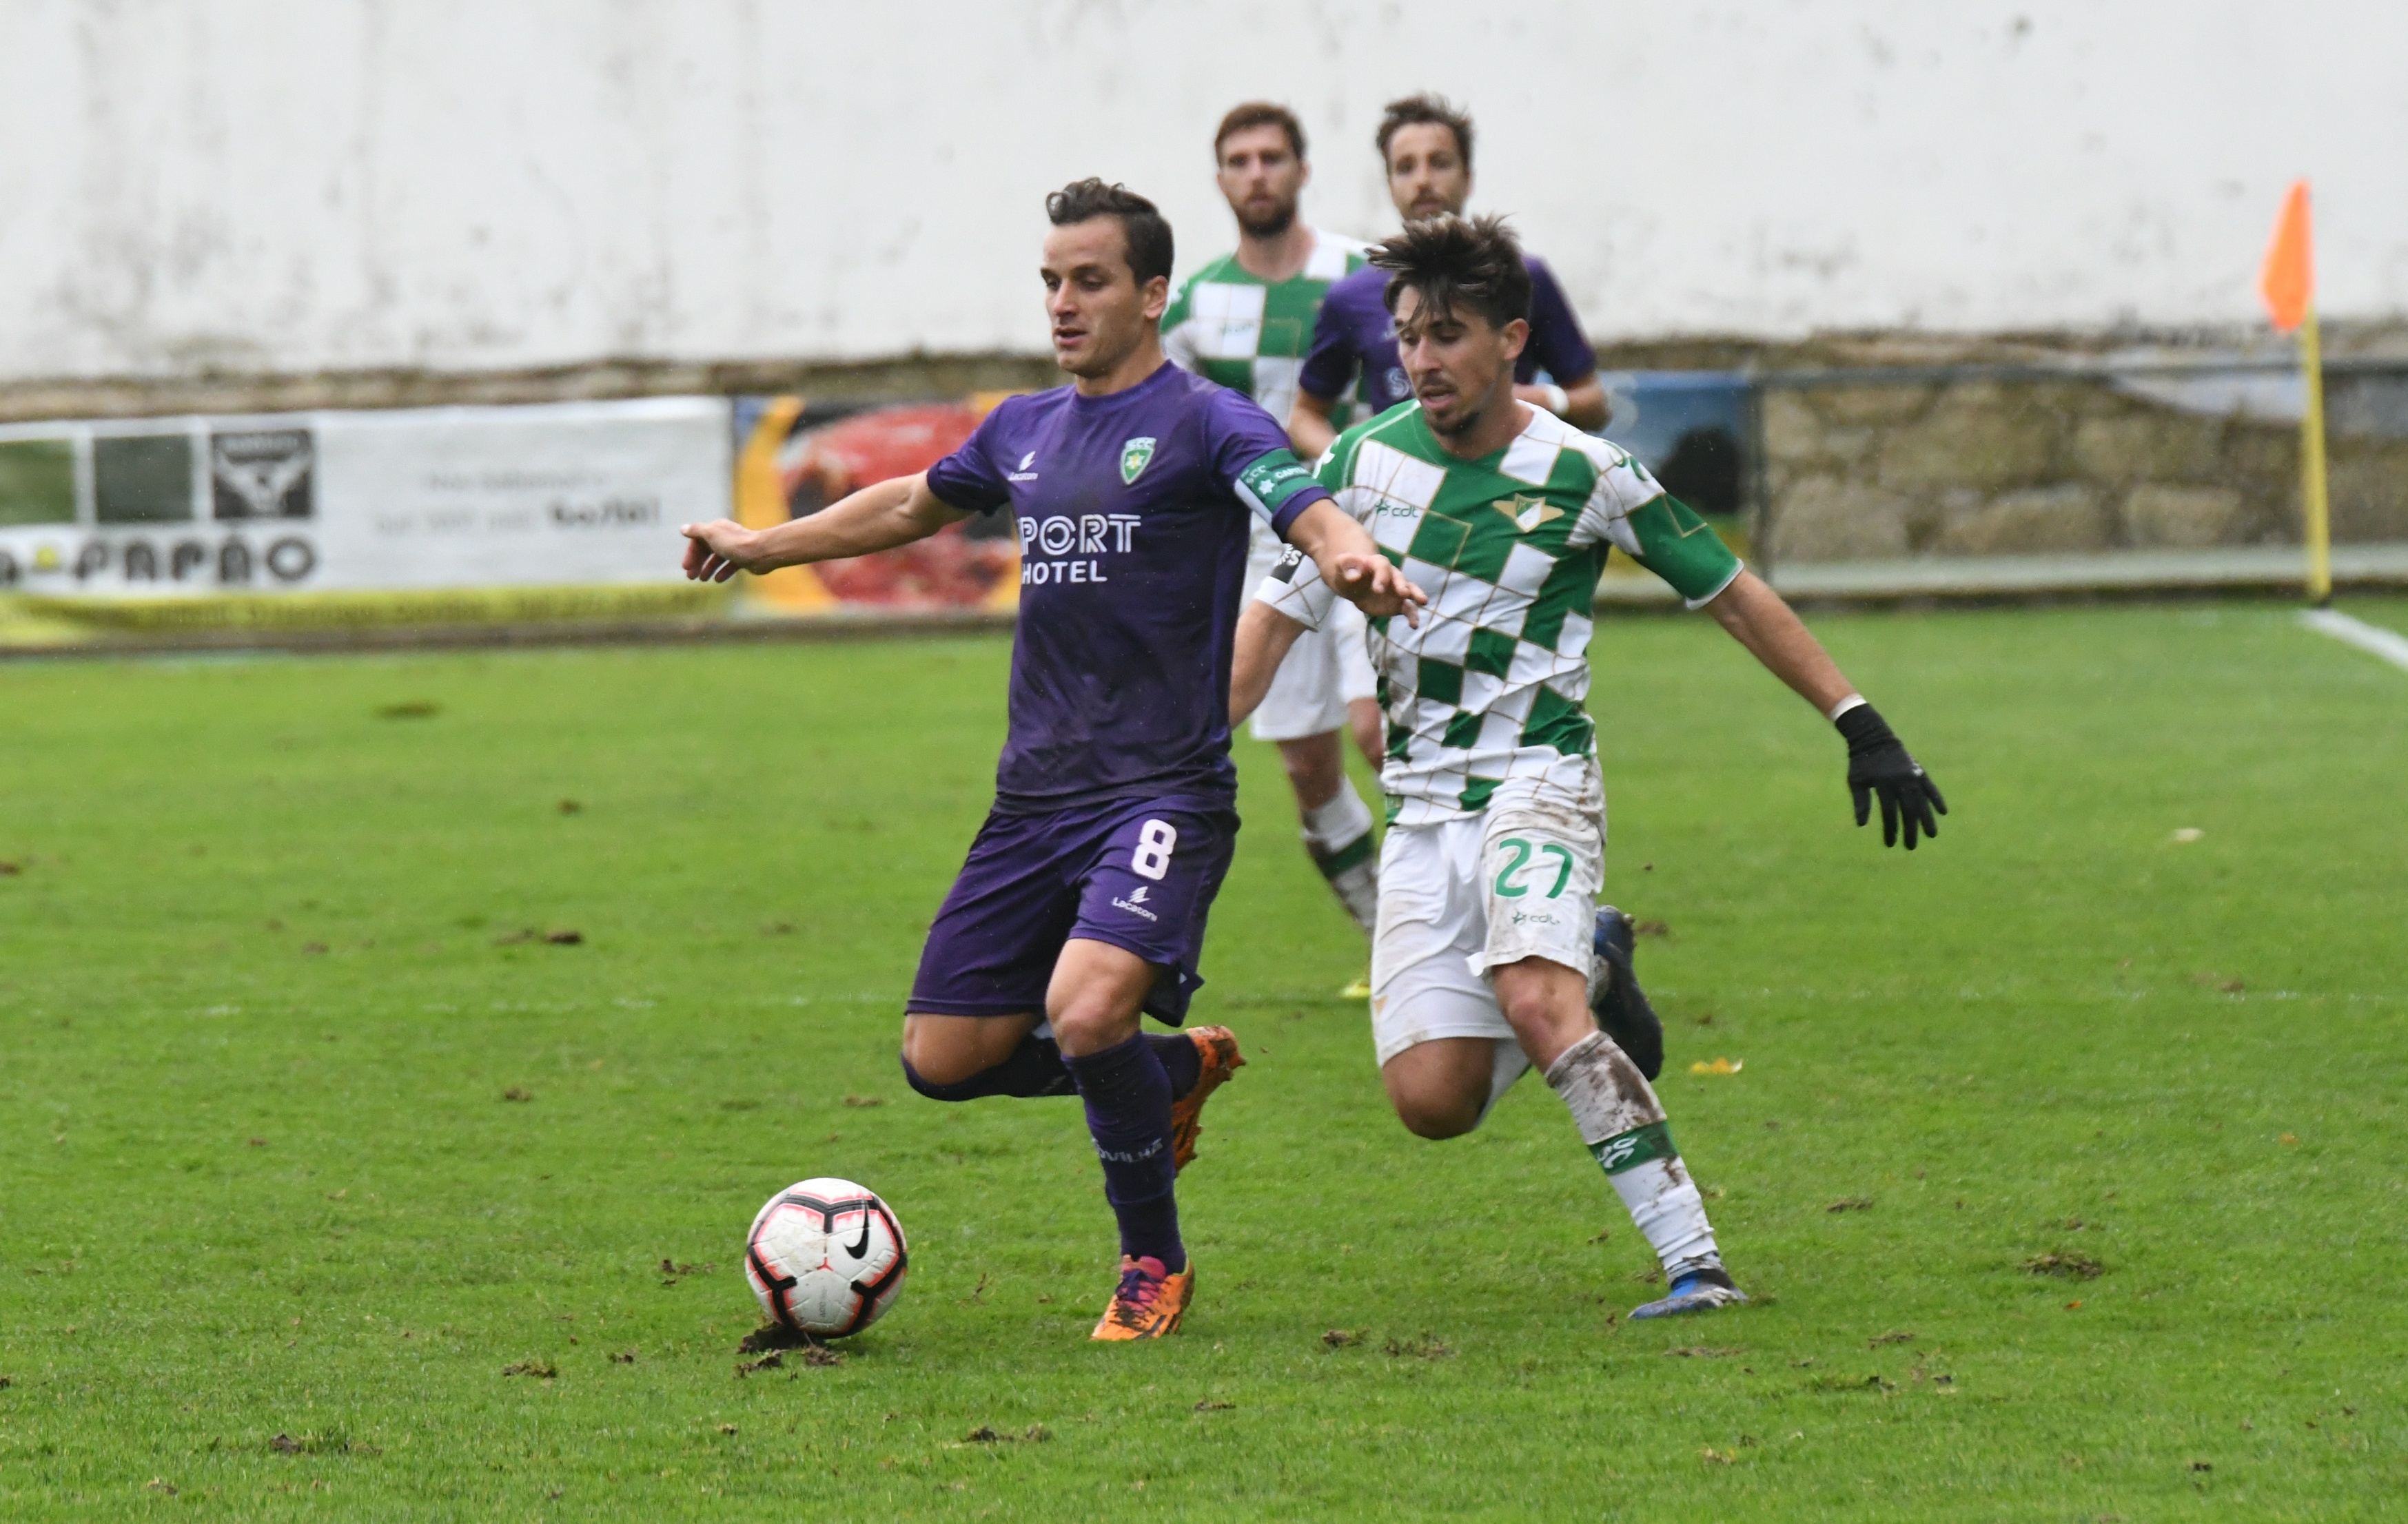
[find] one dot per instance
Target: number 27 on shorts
(1508, 888)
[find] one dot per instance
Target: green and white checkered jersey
(1489, 687)
(1250, 336)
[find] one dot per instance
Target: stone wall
(1928, 464)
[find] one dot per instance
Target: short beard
(1272, 226)
(1464, 424)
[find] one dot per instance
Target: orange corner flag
(2287, 280)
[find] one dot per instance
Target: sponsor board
(553, 495)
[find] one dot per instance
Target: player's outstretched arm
(877, 518)
(1353, 565)
(1878, 763)
(1263, 636)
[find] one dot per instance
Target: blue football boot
(1700, 1289)
(1615, 999)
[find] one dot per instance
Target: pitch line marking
(2387, 644)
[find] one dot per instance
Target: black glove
(1878, 764)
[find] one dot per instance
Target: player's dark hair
(1476, 265)
(1261, 114)
(1425, 110)
(1141, 225)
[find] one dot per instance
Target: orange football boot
(1150, 1302)
(1216, 1050)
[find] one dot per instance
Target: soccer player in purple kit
(1424, 145)
(1083, 902)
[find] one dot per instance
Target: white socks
(1339, 836)
(1623, 1124)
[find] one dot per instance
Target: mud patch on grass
(2065, 1264)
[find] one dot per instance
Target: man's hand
(1878, 763)
(718, 550)
(1374, 584)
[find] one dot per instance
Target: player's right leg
(1303, 712)
(1447, 1053)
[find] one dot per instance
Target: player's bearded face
(1262, 177)
(1426, 175)
(1099, 313)
(1461, 365)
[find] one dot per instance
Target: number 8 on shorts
(1155, 840)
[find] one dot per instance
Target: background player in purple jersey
(1426, 146)
(1084, 899)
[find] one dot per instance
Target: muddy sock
(1180, 1059)
(1128, 1113)
(1338, 835)
(1623, 1124)
(1033, 1068)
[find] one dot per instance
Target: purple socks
(1127, 1095)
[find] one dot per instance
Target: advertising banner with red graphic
(793, 459)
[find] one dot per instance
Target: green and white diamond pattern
(1231, 327)
(1490, 687)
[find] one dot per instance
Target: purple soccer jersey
(1134, 511)
(1354, 332)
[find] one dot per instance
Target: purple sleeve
(968, 479)
(1252, 461)
(1330, 363)
(1556, 341)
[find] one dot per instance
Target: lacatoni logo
(1083, 539)
(1021, 472)
(1136, 903)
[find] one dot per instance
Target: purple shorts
(1139, 874)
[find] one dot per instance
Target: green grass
(257, 1021)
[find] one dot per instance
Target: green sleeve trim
(1682, 547)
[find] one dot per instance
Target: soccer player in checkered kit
(1488, 876)
(1244, 321)
(1083, 902)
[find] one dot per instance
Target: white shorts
(1325, 670)
(1470, 894)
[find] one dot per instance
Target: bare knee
(1436, 1118)
(1439, 1088)
(1314, 768)
(948, 1049)
(1547, 1004)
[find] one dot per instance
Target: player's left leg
(1144, 899)
(1540, 870)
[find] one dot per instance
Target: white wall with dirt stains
(295, 185)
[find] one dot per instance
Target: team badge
(1528, 513)
(1134, 455)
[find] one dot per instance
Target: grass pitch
(2063, 1157)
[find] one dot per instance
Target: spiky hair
(1475, 264)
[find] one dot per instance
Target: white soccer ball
(826, 1258)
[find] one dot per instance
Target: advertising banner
(795, 458)
(557, 496)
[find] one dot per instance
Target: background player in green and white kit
(1244, 321)
(1505, 515)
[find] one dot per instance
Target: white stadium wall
(301, 185)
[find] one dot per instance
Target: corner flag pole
(2311, 464)
(2288, 282)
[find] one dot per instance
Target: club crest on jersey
(1528, 513)
(1134, 456)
